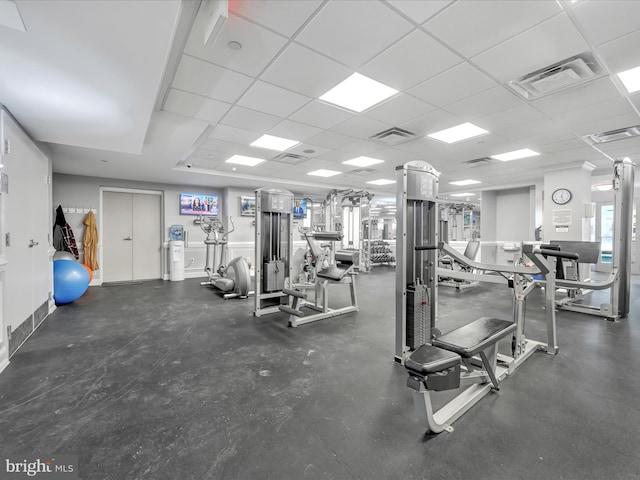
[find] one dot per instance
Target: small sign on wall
(562, 218)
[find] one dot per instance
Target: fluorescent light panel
(358, 93)
(630, 79)
(274, 143)
(458, 133)
(515, 155)
(464, 182)
(247, 161)
(381, 181)
(363, 161)
(462, 195)
(324, 173)
(604, 187)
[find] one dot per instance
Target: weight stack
(418, 316)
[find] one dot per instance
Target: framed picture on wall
(247, 206)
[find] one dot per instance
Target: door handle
(128, 238)
(32, 243)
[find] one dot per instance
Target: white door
(132, 247)
(604, 235)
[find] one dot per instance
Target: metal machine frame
(273, 244)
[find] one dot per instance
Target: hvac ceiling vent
(613, 135)
(363, 171)
(393, 136)
(478, 162)
(290, 158)
(564, 74)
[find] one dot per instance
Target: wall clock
(561, 196)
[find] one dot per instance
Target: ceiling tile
(545, 44)
(510, 117)
(601, 125)
(252, 120)
(259, 45)
(353, 42)
(294, 130)
(197, 76)
(484, 103)
(233, 134)
(611, 108)
(471, 27)
(419, 11)
(211, 145)
(195, 106)
(399, 109)
(455, 84)
(606, 20)
(300, 150)
(363, 147)
(331, 140)
(268, 98)
(529, 129)
(283, 16)
(361, 127)
(431, 122)
(590, 93)
(305, 71)
(321, 115)
(622, 53)
(410, 61)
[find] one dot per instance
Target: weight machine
(232, 280)
(273, 243)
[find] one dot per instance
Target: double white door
(132, 246)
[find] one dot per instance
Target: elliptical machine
(232, 280)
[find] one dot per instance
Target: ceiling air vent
(617, 134)
(393, 136)
(478, 162)
(290, 158)
(564, 74)
(363, 171)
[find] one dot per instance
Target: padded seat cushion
(475, 336)
(333, 272)
(429, 359)
(224, 284)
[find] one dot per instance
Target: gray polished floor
(165, 380)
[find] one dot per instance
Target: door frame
(103, 189)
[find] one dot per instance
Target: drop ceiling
(130, 90)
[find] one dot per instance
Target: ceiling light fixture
(462, 195)
(274, 143)
(358, 93)
(247, 161)
(464, 182)
(324, 173)
(515, 155)
(363, 161)
(381, 181)
(233, 45)
(630, 79)
(604, 187)
(458, 133)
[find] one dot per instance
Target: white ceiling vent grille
(393, 136)
(612, 135)
(363, 171)
(290, 158)
(564, 74)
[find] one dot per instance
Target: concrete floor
(165, 380)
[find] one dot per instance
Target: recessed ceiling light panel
(274, 143)
(630, 79)
(358, 93)
(458, 133)
(462, 195)
(324, 173)
(247, 161)
(464, 182)
(363, 161)
(381, 181)
(515, 155)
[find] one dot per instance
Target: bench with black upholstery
(436, 365)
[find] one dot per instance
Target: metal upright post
(623, 184)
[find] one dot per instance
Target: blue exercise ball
(70, 281)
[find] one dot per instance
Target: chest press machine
(466, 358)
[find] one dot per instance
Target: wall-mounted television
(199, 204)
(299, 208)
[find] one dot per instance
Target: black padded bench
(438, 365)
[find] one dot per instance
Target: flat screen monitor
(299, 208)
(199, 204)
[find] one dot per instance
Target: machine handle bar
(555, 253)
(427, 247)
